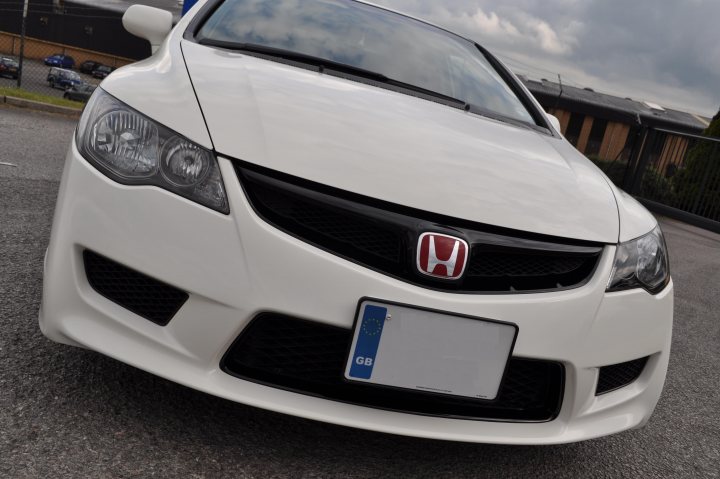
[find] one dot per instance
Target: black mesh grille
(619, 375)
(309, 358)
(132, 290)
(378, 236)
(501, 264)
(346, 232)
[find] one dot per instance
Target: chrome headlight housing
(641, 263)
(132, 149)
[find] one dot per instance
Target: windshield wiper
(503, 118)
(327, 66)
(319, 62)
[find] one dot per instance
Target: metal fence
(675, 174)
(50, 69)
(37, 35)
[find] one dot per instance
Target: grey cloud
(666, 51)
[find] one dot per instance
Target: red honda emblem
(441, 256)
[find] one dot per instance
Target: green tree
(699, 180)
(714, 128)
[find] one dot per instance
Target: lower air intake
(616, 376)
(309, 358)
(141, 294)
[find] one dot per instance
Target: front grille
(383, 236)
(500, 264)
(618, 375)
(309, 358)
(141, 294)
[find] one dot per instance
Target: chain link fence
(673, 173)
(52, 69)
(51, 49)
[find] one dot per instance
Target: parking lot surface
(35, 79)
(67, 412)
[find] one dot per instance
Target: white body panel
(374, 142)
(237, 266)
(160, 87)
(362, 139)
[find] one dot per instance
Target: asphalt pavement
(67, 412)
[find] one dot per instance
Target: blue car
(59, 60)
(63, 79)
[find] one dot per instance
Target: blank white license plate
(406, 347)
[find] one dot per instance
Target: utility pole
(557, 100)
(22, 44)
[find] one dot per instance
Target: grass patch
(39, 97)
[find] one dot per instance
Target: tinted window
(372, 39)
(69, 75)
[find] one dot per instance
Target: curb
(39, 106)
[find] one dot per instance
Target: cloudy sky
(667, 51)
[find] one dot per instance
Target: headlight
(134, 150)
(641, 263)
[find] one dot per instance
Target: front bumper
(236, 266)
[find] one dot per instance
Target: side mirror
(554, 122)
(152, 24)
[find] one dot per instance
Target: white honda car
(335, 211)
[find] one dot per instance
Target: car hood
(398, 148)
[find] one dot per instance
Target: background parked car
(60, 60)
(80, 92)
(102, 71)
(9, 68)
(61, 78)
(88, 66)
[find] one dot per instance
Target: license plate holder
(408, 347)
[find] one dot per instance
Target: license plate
(412, 348)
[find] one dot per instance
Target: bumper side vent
(141, 294)
(616, 376)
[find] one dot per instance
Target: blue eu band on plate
(367, 342)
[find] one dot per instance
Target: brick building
(606, 127)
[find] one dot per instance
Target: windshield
(373, 39)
